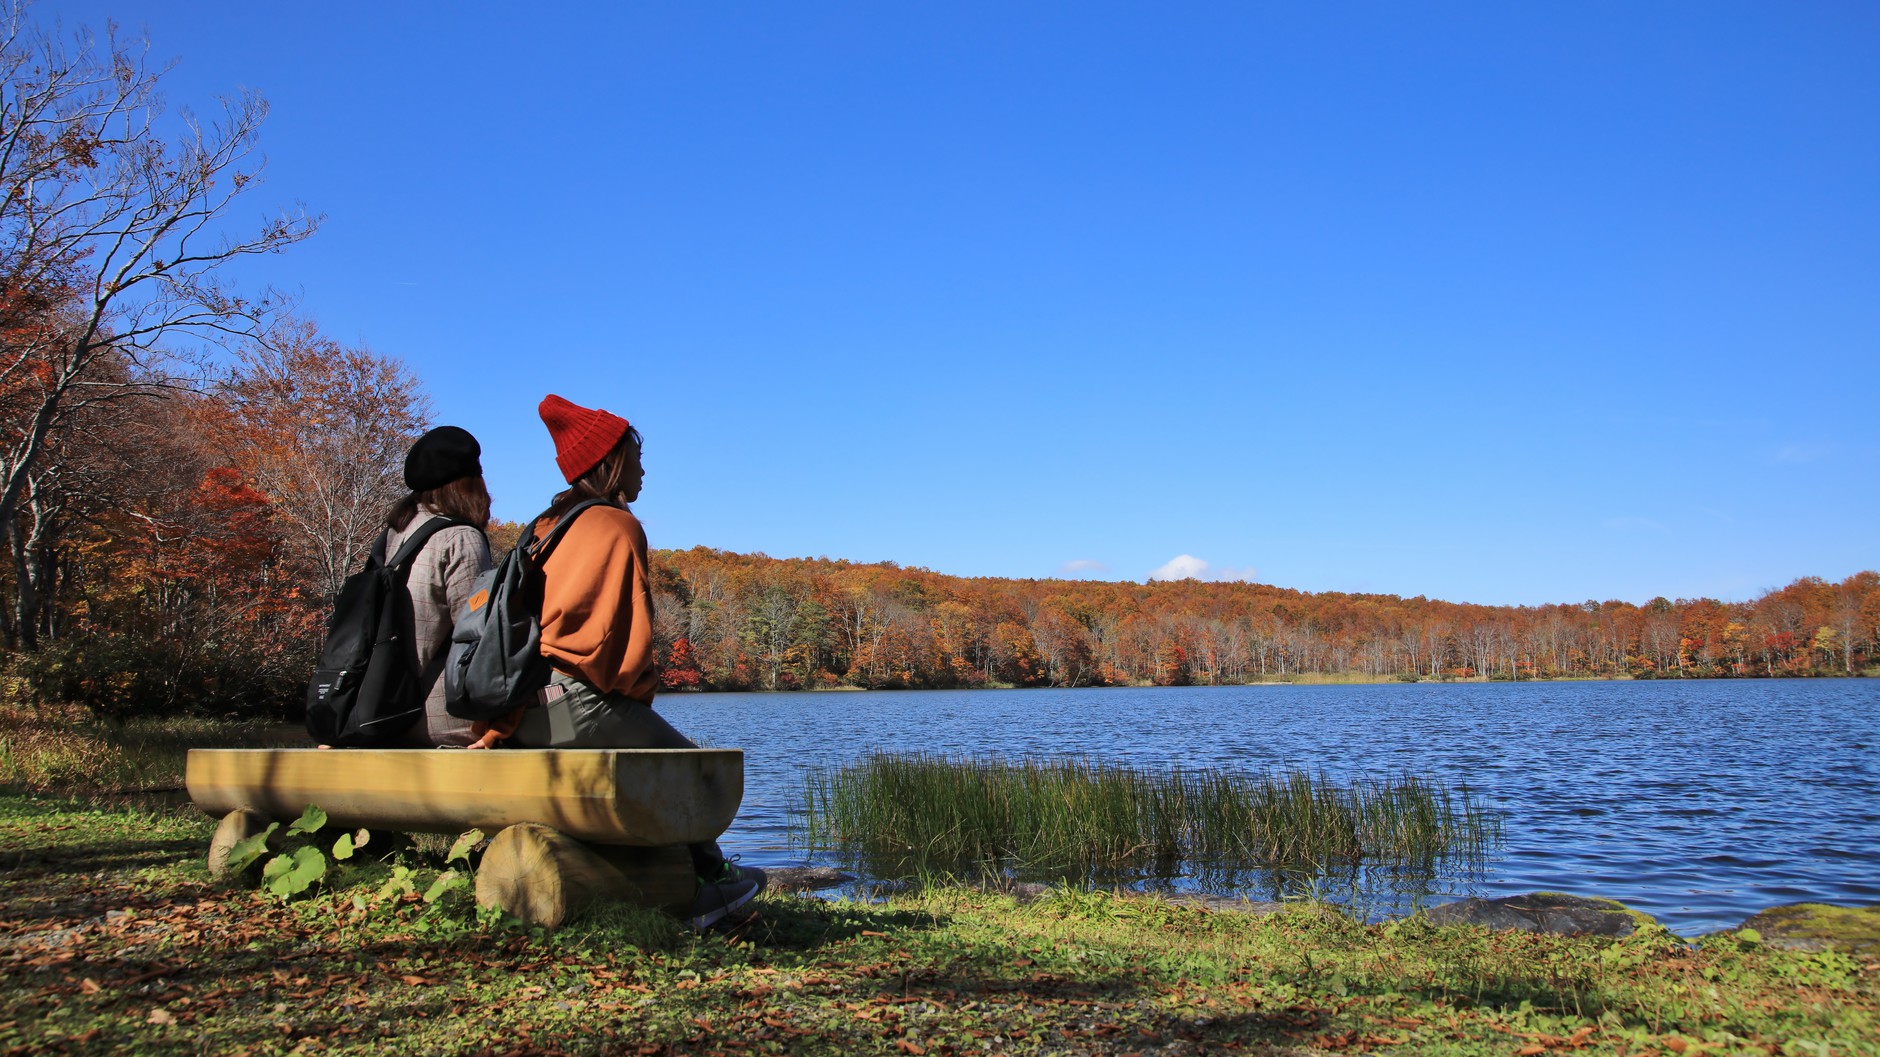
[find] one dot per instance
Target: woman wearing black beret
(446, 480)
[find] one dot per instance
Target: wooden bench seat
(646, 797)
(571, 826)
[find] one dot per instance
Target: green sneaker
(719, 896)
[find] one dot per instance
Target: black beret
(440, 457)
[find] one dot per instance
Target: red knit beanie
(583, 437)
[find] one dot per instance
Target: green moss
(1610, 904)
(1820, 924)
(1640, 919)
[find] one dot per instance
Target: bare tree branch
(110, 235)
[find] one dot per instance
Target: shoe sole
(705, 921)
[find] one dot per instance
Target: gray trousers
(581, 717)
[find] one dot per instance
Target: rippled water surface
(1698, 802)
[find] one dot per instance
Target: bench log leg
(655, 877)
(545, 877)
(236, 826)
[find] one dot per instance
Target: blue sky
(1499, 303)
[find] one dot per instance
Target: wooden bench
(571, 826)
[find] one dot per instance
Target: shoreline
(1302, 680)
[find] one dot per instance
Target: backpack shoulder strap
(418, 538)
(540, 549)
(376, 556)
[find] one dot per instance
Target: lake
(1699, 802)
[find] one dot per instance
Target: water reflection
(1369, 890)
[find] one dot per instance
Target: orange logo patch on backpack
(479, 600)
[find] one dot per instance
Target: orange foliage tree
(197, 554)
(322, 430)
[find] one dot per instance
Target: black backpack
(364, 690)
(496, 663)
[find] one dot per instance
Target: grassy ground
(53, 749)
(113, 940)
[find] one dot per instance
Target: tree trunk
(25, 597)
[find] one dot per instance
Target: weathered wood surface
(646, 797)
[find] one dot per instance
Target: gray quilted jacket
(441, 577)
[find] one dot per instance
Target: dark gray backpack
(496, 663)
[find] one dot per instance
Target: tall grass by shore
(920, 812)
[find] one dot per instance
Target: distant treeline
(736, 621)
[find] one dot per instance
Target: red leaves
(679, 668)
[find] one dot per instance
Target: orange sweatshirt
(597, 603)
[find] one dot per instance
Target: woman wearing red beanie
(597, 623)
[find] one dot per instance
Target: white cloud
(1800, 454)
(1181, 567)
(1082, 565)
(1189, 567)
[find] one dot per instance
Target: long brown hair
(466, 499)
(603, 481)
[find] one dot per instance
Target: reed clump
(927, 812)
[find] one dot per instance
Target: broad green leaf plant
(300, 864)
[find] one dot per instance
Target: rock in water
(1815, 926)
(1555, 912)
(806, 878)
